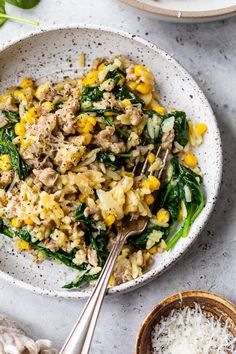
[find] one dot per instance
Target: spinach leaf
(116, 75)
(79, 215)
(172, 200)
(1, 225)
(59, 255)
(180, 127)
(4, 17)
(98, 242)
(7, 147)
(152, 133)
(151, 114)
(174, 240)
(11, 116)
(83, 279)
(148, 140)
(108, 121)
(124, 134)
(62, 256)
(92, 94)
(174, 193)
(96, 239)
(23, 4)
(121, 132)
(2, 12)
(140, 241)
(123, 92)
(101, 111)
(115, 161)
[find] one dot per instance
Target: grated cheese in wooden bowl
(192, 331)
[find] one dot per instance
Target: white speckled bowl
(186, 11)
(54, 53)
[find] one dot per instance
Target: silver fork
(79, 340)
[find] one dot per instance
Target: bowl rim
(152, 273)
(182, 15)
(179, 297)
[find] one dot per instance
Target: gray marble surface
(208, 52)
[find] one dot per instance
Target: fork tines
(163, 155)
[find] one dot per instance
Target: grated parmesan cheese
(191, 331)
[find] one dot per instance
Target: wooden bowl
(212, 303)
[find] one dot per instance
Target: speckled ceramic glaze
(53, 54)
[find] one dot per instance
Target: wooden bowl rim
(218, 299)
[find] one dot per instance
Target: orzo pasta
(67, 154)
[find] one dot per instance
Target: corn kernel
(163, 215)
(108, 114)
(15, 222)
(26, 82)
(153, 250)
(5, 162)
(132, 85)
(88, 128)
(22, 245)
(139, 69)
(28, 221)
(145, 184)
(159, 109)
(4, 98)
(86, 124)
(121, 81)
(140, 128)
(31, 115)
(19, 96)
(20, 129)
(82, 198)
(147, 77)
(146, 98)
(190, 160)
(28, 118)
(87, 138)
(151, 157)
(26, 142)
(126, 173)
(201, 128)
(111, 280)
(34, 112)
(91, 78)
(143, 88)
(92, 120)
(126, 102)
(101, 67)
(154, 183)
(110, 219)
(149, 199)
(49, 106)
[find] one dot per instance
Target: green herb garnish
(7, 147)
(24, 4)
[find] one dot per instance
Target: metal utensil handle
(79, 340)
